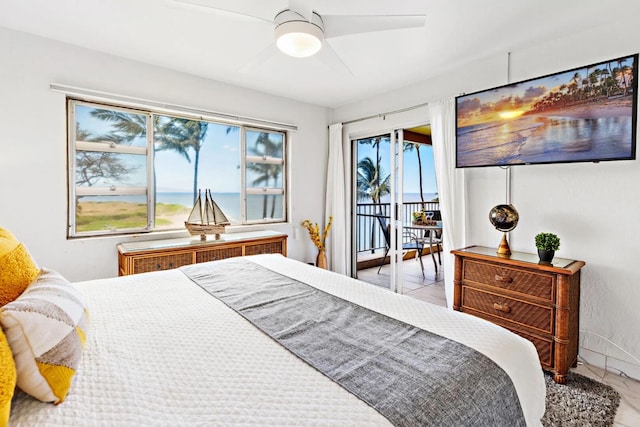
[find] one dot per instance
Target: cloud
(532, 93)
(469, 106)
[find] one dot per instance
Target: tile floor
(628, 414)
(431, 289)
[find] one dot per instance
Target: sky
(219, 163)
(411, 180)
(484, 106)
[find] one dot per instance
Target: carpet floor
(581, 402)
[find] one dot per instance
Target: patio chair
(415, 244)
(436, 239)
(435, 243)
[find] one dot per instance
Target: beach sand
(591, 110)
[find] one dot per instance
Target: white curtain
(451, 185)
(335, 203)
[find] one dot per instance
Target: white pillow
(46, 330)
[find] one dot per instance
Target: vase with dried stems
(319, 240)
(321, 259)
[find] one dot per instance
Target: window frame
(246, 158)
(73, 146)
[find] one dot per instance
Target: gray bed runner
(411, 376)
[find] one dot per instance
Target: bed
(163, 349)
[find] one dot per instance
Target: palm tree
(266, 147)
(375, 142)
(180, 135)
(627, 78)
(619, 72)
(127, 126)
(576, 79)
(370, 183)
(409, 146)
(91, 166)
(171, 133)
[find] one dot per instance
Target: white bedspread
(161, 351)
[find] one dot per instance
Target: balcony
(370, 243)
(371, 248)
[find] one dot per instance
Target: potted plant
(418, 217)
(547, 244)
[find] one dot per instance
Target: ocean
(409, 197)
(230, 202)
(535, 139)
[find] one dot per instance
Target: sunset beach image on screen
(585, 114)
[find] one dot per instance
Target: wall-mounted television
(586, 114)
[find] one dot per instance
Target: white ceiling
(218, 45)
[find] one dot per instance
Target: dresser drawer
(218, 254)
(544, 347)
(534, 317)
(162, 262)
(529, 283)
(264, 248)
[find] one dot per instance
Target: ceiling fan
(300, 31)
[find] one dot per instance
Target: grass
(93, 216)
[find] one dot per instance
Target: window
(134, 170)
(264, 174)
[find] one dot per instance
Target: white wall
(592, 207)
(33, 147)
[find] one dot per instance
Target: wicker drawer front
(544, 346)
(264, 248)
(528, 283)
(163, 262)
(518, 312)
(217, 254)
(140, 257)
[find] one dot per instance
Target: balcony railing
(369, 236)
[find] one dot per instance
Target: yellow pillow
(46, 329)
(7, 379)
(17, 269)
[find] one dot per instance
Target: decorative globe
(504, 217)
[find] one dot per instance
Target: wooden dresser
(539, 302)
(153, 255)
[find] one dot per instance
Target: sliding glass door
(378, 193)
(393, 178)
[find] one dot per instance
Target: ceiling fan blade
(262, 11)
(260, 58)
(329, 57)
(303, 7)
(339, 25)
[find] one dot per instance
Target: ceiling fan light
(299, 39)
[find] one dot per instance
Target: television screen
(586, 114)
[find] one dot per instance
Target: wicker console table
(153, 255)
(539, 302)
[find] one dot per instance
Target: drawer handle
(503, 279)
(502, 307)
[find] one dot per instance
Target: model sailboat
(206, 217)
